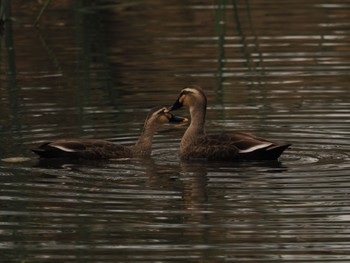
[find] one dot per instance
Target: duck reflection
(188, 178)
(63, 163)
(160, 176)
(195, 202)
(195, 185)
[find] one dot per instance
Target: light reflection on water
(94, 72)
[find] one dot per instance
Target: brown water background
(92, 69)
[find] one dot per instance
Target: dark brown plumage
(85, 149)
(101, 149)
(196, 144)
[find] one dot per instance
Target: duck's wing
(87, 149)
(246, 136)
(230, 147)
(252, 147)
(246, 142)
(211, 147)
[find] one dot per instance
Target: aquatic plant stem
(41, 12)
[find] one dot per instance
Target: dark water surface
(277, 69)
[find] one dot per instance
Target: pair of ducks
(195, 143)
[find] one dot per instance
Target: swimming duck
(196, 144)
(101, 149)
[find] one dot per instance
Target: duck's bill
(177, 119)
(175, 106)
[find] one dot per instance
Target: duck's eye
(161, 112)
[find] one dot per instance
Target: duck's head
(161, 114)
(190, 96)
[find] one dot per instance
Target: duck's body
(101, 149)
(196, 144)
(84, 149)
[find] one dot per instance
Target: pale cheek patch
(256, 147)
(164, 119)
(181, 99)
(194, 91)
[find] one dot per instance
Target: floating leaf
(15, 159)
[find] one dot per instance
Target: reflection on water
(93, 71)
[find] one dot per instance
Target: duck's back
(210, 147)
(231, 147)
(86, 149)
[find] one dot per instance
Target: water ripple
(278, 71)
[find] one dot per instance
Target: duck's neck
(197, 126)
(143, 146)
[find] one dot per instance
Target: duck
(196, 144)
(101, 149)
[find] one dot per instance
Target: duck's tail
(268, 153)
(273, 152)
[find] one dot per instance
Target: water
(93, 71)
